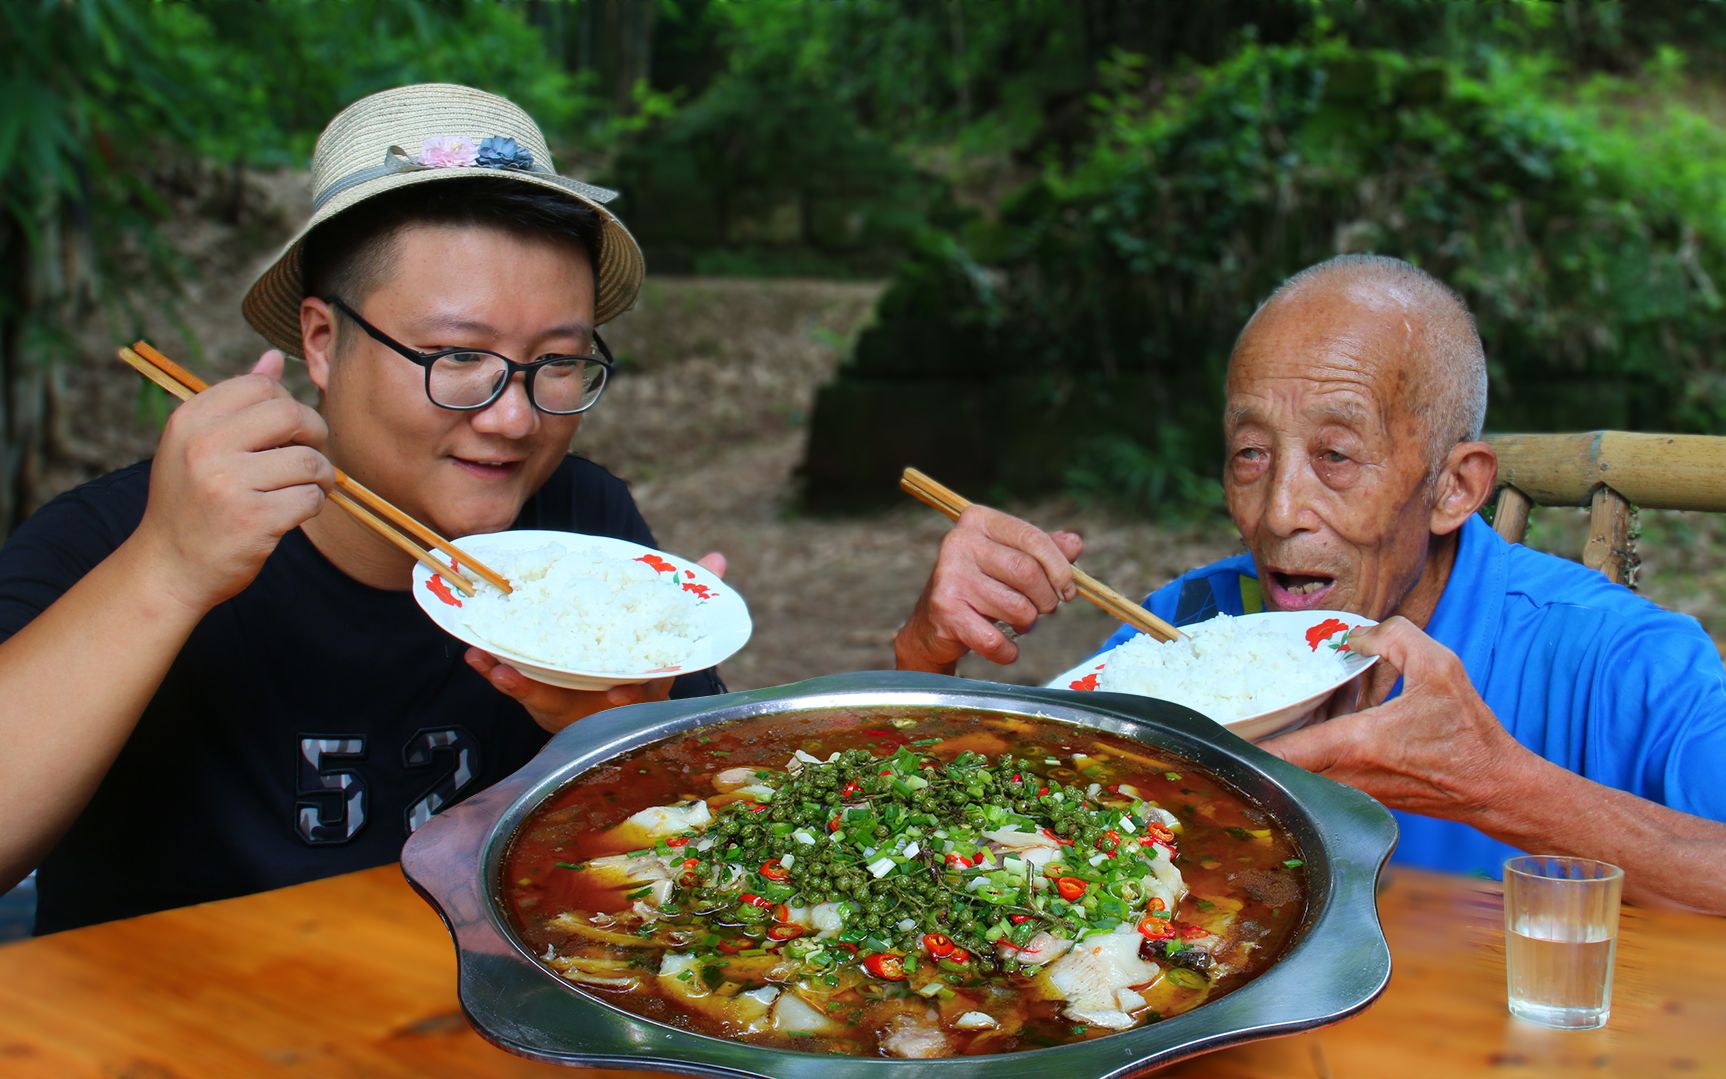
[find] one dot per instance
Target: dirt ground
(707, 420)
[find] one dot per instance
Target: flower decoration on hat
(460, 151)
(498, 152)
(448, 151)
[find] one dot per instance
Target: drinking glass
(1560, 934)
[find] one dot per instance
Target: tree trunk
(51, 287)
(22, 424)
(962, 80)
(633, 29)
(14, 268)
(233, 193)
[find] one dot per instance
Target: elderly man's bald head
(1444, 359)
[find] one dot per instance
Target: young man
(215, 681)
(1524, 702)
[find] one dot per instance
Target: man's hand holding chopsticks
(992, 567)
(239, 466)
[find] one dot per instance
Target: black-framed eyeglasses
(469, 379)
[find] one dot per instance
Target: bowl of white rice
(1257, 674)
(588, 612)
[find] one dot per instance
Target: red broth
(1244, 873)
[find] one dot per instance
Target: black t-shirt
(308, 725)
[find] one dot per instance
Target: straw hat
(415, 135)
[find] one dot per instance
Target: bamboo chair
(1608, 472)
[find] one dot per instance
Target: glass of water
(1560, 933)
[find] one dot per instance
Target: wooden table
(355, 976)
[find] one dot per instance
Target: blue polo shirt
(1582, 671)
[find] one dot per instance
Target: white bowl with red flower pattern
(1304, 632)
(717, 616)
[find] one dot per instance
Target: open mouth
(1294, 591)
(493, 468)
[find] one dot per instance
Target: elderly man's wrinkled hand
(992, 567)
(1436, 749)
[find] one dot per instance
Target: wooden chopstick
(358, 491)
(359, 501)
(934, 494)
(184, 385)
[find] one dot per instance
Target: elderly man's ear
(1464, 484)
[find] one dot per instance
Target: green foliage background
(1073, 199)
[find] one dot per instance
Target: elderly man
(1523, 702)
(214, 681)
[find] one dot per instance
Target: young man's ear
(1465, 482)
(318, 338)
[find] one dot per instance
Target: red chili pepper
(1070, 888)
(691, 863)
(782, 913)
(687, 879)
(1058, 839)
(1193, 932)
(1113, 788)
(888, 772)
(1018, 919)
(785, 932)
(1153, 928)
(1042, 792)
(851, 787)
(1110, 840)
(833, 825)
(754, 900)
(886, 966)
(1157, 833)
(1017, 778)
(733, 945)
(852, 948)
(677, 841)
(938, 945)
(758, 809)
(1157, 903)
(958, 860)
(959, 957)
(774, 871)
